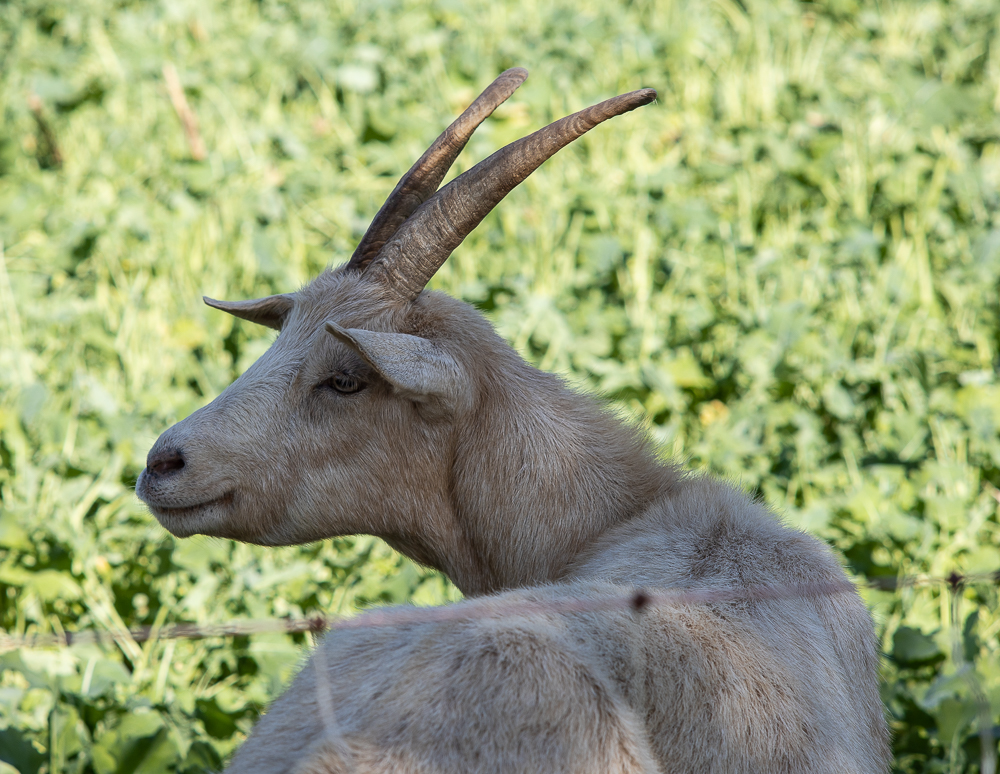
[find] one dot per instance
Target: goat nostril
(164, 463)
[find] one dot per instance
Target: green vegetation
(787, 269)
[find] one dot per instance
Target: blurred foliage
(787, 269)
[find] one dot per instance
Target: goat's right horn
(424, 177)
(423, 243)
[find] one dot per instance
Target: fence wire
(638, 600)
(401, 616)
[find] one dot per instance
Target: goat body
(386, 409)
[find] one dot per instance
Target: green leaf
(19, 752)
(138, 743)
(53, 584)
(12, 534)
(952, 715)
(911, 647)
(68, 735)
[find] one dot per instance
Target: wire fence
(399, 616)
(638, 600)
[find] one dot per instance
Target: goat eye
(343, 383)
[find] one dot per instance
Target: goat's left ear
(414, 366)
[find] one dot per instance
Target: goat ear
(270, 311)
(414, 366)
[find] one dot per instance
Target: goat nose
(163, 463)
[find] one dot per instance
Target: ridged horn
(424, 177)
(423, 243)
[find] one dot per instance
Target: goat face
(345, 425)
(344, 421)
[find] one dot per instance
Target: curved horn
(426, 175)
(423, 243)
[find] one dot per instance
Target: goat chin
(386, 409)
(188, 520)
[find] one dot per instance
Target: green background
(786, 269)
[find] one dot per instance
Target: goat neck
(540, 473)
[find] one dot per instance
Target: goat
(387, 409)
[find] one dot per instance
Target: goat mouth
(180, 512)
